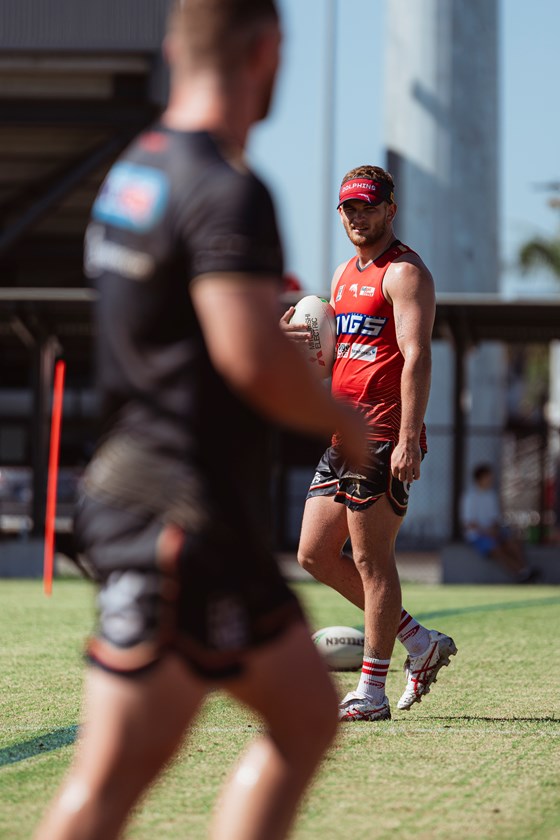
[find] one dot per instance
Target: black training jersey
(170, 210)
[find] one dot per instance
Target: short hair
(371, 173)
(481, 470)
(216, 33)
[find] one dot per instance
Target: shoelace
(422, 675)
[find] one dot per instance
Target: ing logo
(356, 323)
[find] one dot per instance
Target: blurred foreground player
(184, 250)
(384, 303)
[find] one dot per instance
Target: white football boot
(355, 707)
(421, 671)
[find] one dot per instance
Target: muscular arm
(410, 289)
(251, 353)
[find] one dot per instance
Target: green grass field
(479, 758)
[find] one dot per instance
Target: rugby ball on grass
(318, 315)
(341, 647)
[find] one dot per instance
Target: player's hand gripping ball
(318, 316)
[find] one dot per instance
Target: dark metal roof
(82, 25)
(475, 318)
(64, 118)
(29, 315)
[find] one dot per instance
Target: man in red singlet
(385, 304)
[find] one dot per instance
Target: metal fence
(531, 482)
(526, 461)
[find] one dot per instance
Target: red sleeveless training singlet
(368, 363)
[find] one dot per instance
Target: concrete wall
(21, 558)
(441, 136)
(442, 133)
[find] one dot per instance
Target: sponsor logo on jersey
(365, 352)
(356, 323)
(102, 255)
(227, 622)
(132, 197)
(354, 289)
(340, 292)
(154, 142)
(367, 291)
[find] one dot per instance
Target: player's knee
(77, 796)
(364, 563)
(307, 561)
(98, 804)
(376, 569)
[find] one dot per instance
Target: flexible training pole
(52, 483)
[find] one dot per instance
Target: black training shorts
(359, 489)
(209, 597)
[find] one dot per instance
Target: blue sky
(288, 150)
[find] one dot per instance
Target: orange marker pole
(54, 450)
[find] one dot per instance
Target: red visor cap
(362, 189)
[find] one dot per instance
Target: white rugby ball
(318, 315)
(341, 647)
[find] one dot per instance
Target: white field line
(475, 730)
(388, 729)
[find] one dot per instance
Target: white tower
(441, 136)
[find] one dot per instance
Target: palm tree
(539, 251)
(545, 252)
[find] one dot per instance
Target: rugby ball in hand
(341, 647)
(318, 316)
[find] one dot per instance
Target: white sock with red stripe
(372, 679)
(412, 635)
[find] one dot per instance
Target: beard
(369, 238)
(266, 95)
(266, 101)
